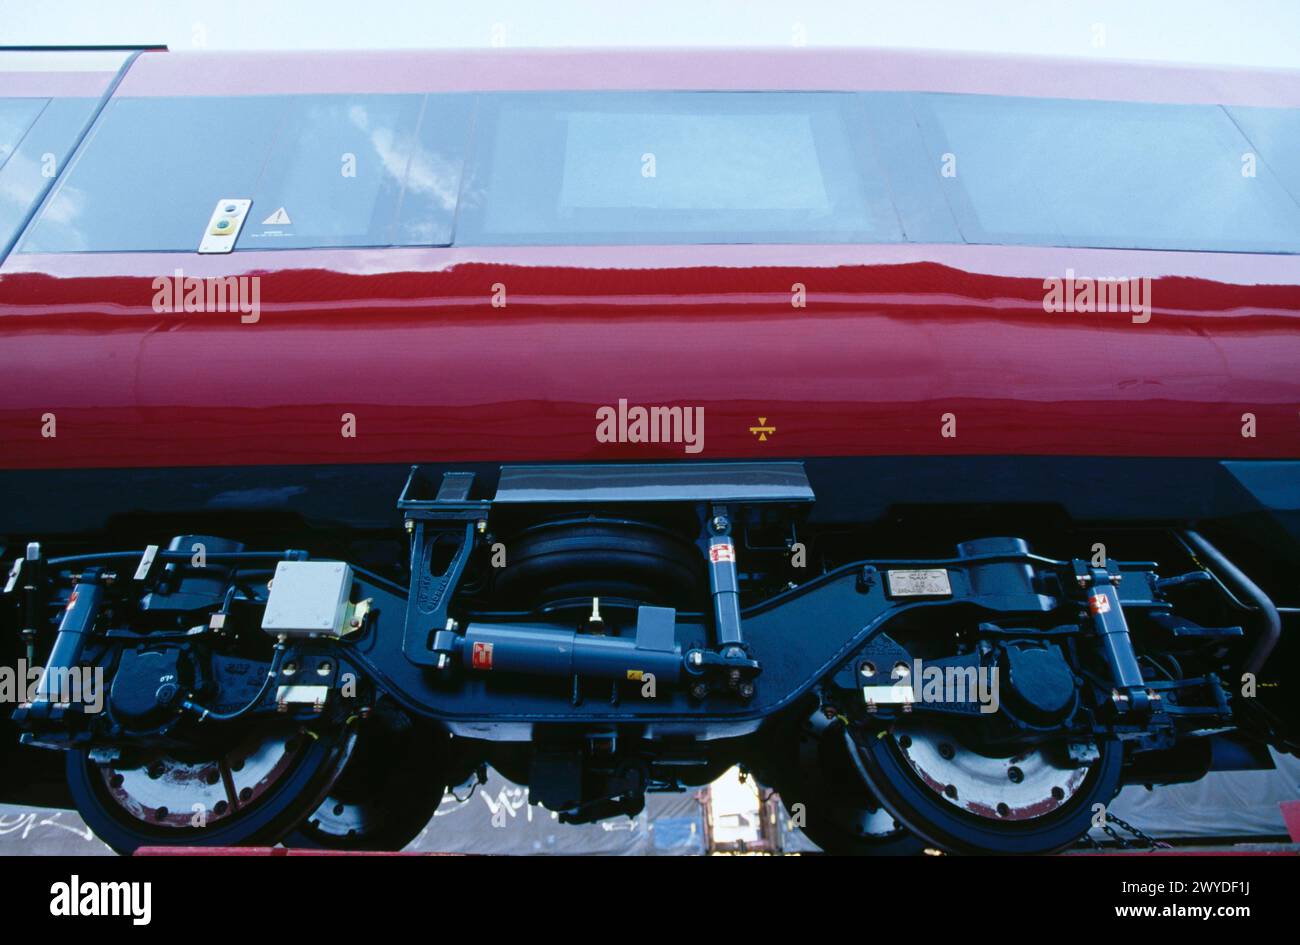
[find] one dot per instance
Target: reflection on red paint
(409, 342)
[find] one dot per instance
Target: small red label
(481, 657)
(1098, 604)
(72, 599)
(723, 552)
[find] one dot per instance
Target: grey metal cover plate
(656, 482)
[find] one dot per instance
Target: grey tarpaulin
(1237, 804)
(1223, 804)
(496, 818)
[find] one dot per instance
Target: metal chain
(1145, 838)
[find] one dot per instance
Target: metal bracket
(431, 594)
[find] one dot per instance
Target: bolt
(746, 690)
(410, 526)
(482, 527)
(699, 690)
(443, 661)
(719, 524)
(1015, 775)
(868, 669)
(946, 751)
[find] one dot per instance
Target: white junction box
(308, 598)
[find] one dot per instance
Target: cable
(204, 714)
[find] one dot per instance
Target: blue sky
(1248, 32)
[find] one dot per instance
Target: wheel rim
(1032, 801)
(252, 790)
(840, 813)
(387, 792)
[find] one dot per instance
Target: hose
(1269, 623)
(205, 714)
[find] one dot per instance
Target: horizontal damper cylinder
(543, 650)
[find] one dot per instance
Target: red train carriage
(918, 431)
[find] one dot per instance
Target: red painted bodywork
(893, 337)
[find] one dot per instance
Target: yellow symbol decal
(762, 429)
(635, 674)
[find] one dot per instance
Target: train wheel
(249, 792)
(827, 798)
(966, 801)
(390, 787)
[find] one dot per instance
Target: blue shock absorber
(544, 649)
(725, 587)
(1130, 697)
(78, 621)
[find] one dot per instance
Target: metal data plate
(223, 228)
(919, 583)
(894, 694)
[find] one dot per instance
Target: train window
(30, 157)
(1104, 174)
(337, 171)
(151, 170)
(685, 167)
(325, 170)
(1274, 134)
(433, 172)
(16, 116)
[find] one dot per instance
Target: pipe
(1269, 629)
